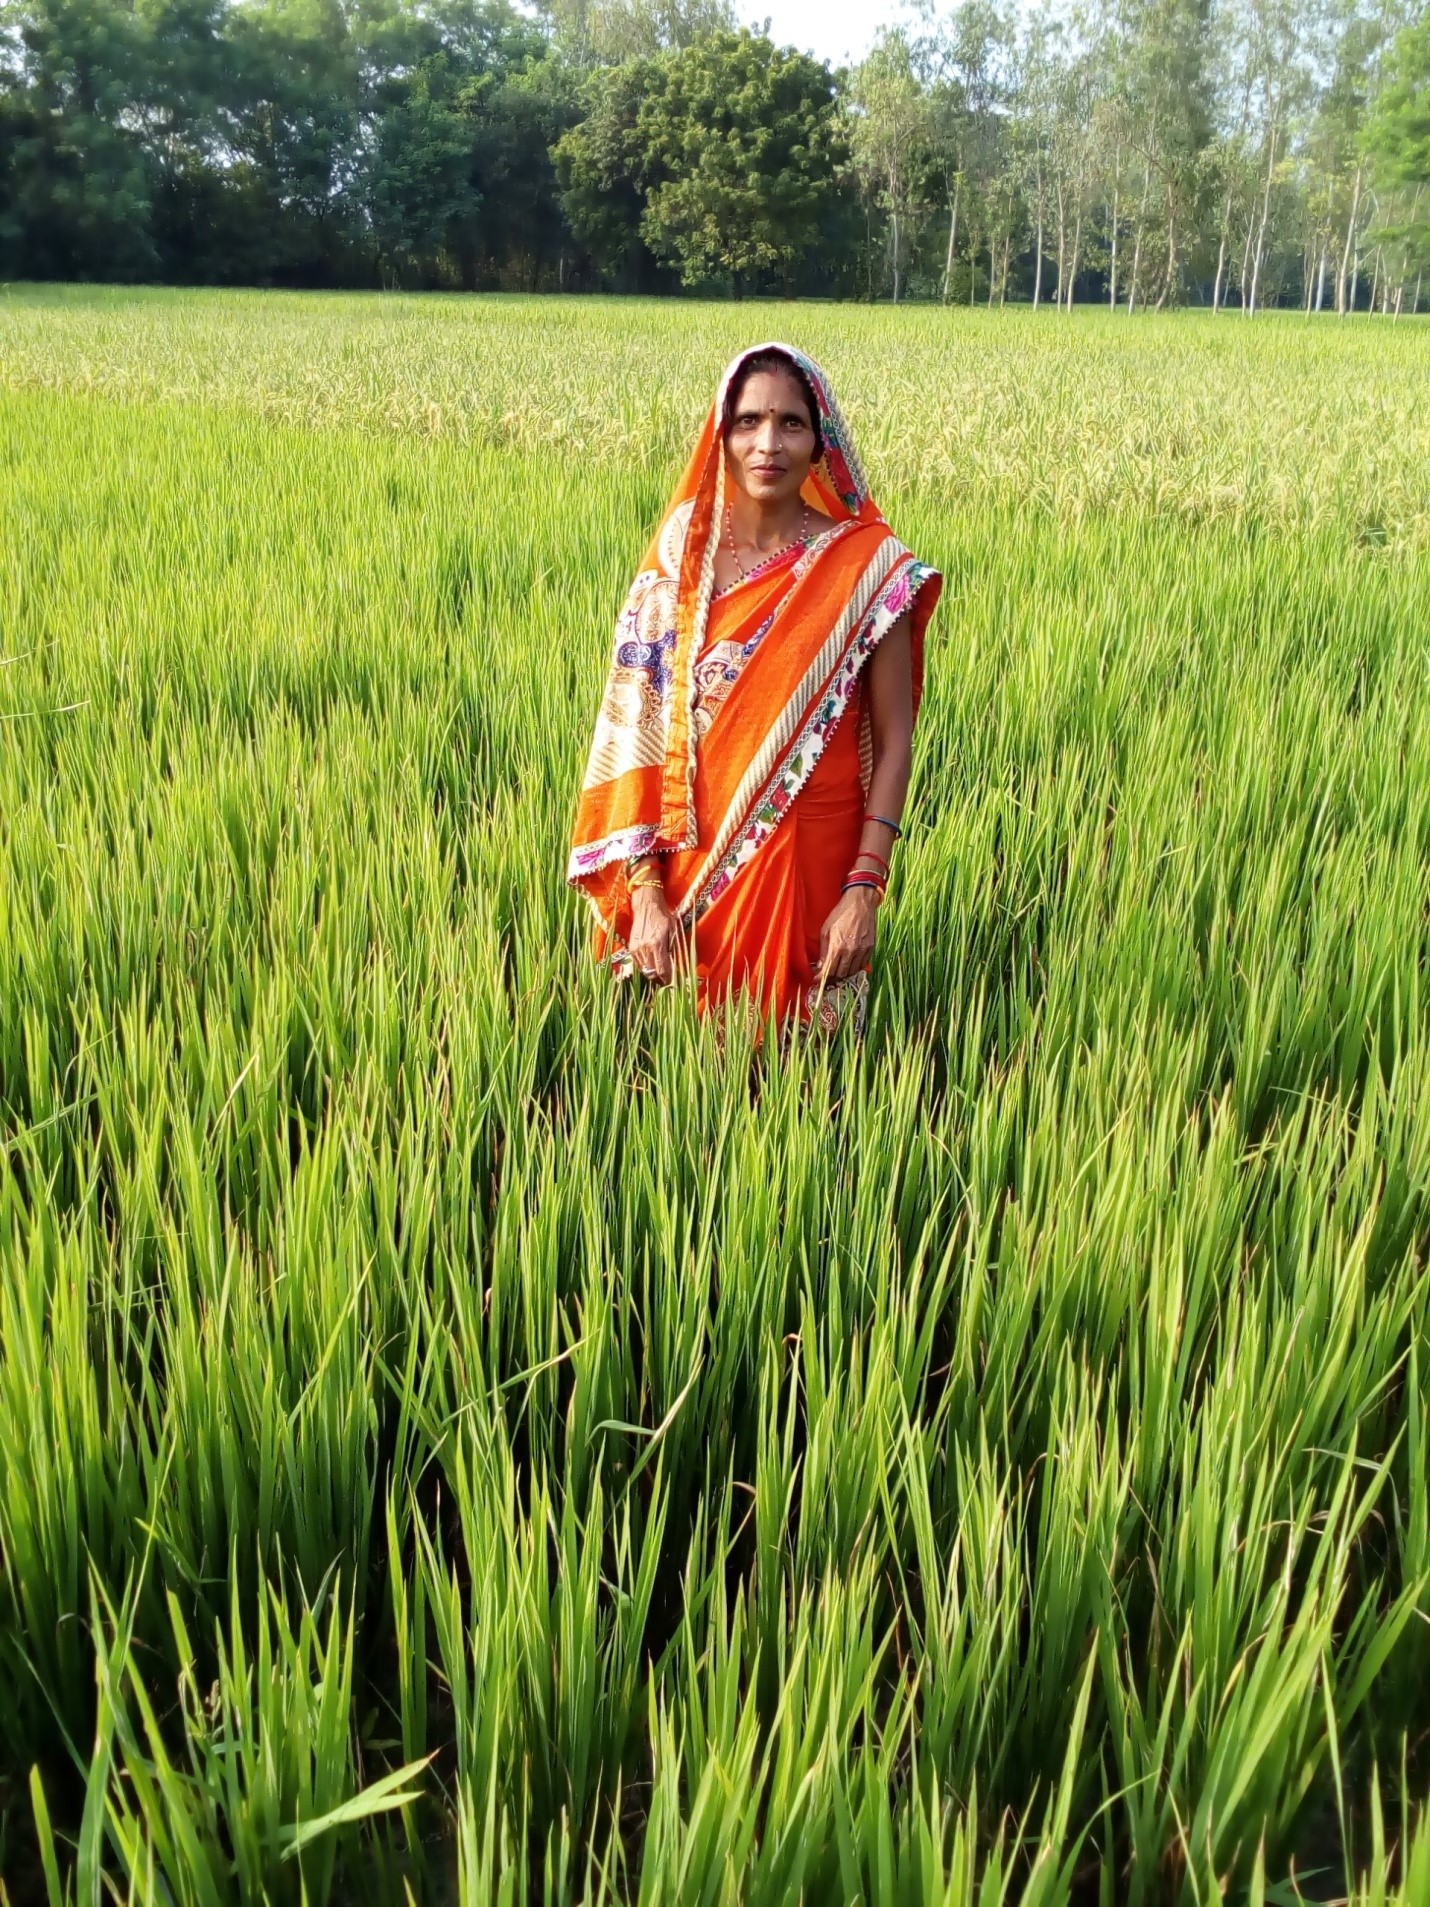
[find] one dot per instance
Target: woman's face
(770, 444)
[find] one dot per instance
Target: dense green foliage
(1399, 128)
(1151, 153)
(985, 1464)
(286, 140)
(723, 159)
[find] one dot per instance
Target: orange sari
(733, 737)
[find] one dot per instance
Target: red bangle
(868, 854)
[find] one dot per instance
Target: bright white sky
(835, 30)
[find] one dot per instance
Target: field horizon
(465, 1435)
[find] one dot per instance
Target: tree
(1398, 132)
(79, 178)
(1397, 142)
(964, 128)
(1071, 149)
(1034, 90)
(600, 163)
(745, 141)
(587, 33)
(421, 196)
(721, 158)
(518, 114)
(889, 136)
(1169, 92)
(1276, 47)
(294, 136)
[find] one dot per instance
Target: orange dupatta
(708, 790)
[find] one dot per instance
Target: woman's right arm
(653, 930)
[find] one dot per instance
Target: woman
(747, 779)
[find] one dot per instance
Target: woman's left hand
(847, 941)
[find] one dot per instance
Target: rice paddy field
(467, 1436)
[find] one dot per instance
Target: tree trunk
(1072, 262)
(1062, 241)
(1003, 274)
(1116, 182)
(1137, 245)
(1038, 273)
(1171, 256)
(1400, 286)
(1346, 252)
(1265, 214)
(952, 234)
(894, 230)
(1245, 279)
(1220, 267)
(1325, 244)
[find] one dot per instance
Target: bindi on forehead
(771, 393)
(786, 403)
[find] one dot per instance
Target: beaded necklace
(745, 574)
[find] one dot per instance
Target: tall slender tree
(890, 137)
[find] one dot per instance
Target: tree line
(1140, 152)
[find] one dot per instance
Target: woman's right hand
(653, 932)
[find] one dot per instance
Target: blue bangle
(885, 822)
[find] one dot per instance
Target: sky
(835, 30)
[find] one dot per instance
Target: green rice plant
(266, 1790)
(467, 1432)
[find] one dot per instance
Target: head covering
(639, 791)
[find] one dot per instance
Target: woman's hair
(772, 361)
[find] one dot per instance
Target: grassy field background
(463, 1433)
(1292, 422)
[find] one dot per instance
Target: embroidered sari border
(629, 842)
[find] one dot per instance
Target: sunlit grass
(1282, 421)
(466, 1432)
